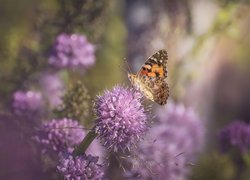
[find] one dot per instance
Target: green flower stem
(85, 143)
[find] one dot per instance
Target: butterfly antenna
(127, 64)
(122, 68)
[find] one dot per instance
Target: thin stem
(85, 143)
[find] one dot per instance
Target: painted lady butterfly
(151, 78)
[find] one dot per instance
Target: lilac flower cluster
(59, 135)
(52, 88)
(121, 118)
(236, 134)
(27, 103)
(170, 145)
(82, 167)
(72, 51)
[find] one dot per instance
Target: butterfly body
(151, 78)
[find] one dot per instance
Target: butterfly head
(131, 77)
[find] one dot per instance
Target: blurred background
(208, 68)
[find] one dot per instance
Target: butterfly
(151, 78)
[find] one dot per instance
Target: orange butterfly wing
(153, 74)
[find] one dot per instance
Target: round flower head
(72, 51)
(82, 167)
(236, 134)
(60, 135)
(170, 145)
(121, 118)
(27, 103)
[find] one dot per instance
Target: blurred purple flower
(28, 104)
(121, 118)
(62, 135)
(80, 167)
(53, 88)
(235, 134)
(72, 52)
(59, 135)
(170, 145)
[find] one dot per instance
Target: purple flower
(121, 118)
(62, 135)
(28, 104)
(170, 145)
(72, 51)
(53, 88)
(59, 135)
(80, 167)
(235, 134)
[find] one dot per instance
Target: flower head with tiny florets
(121, 118)
(81, 167)
(59, 135)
